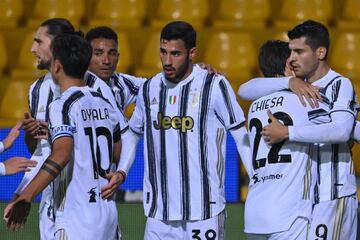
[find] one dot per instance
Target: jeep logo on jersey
(165, 122)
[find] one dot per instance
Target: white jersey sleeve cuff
(1, 147)
(2, 169)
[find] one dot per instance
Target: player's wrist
(123, 174)
(7, 142)
(2, 146)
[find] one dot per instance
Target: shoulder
(131, 78)
(336, 79)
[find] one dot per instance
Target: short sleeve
(136, 123)
(226, 105)
(59, 122)
(342, 96)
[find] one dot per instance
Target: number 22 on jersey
(273, 155)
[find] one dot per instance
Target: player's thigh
(336, 219)
(163, 230)
(209, 229)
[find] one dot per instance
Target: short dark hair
(272, 58)
(179, 30)
(316, 34)
(101, 32)
(73, 52)
(57, 26)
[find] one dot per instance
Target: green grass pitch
(131, 219)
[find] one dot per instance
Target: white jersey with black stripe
(125, 88)
(281, 187)
(335, 166)
(87, 117)
(95, 83)
(185, 128)
(41, 93)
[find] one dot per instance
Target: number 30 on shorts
(209, 234)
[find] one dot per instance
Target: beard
(180, 73)
(44, 65)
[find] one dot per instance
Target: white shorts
(336, 219)
(61, 235)
(209, 229)
(298, 231)
(46, 225)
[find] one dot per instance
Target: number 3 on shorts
(209, 234)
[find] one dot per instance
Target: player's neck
(184, 76)
(319, 73)
(68, 82)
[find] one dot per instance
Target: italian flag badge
(172, 99)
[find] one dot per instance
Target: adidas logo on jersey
(154, 101)
(165, 122)
(42, 109)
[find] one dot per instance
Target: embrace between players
(302, 180)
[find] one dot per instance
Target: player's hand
(289, 70)
(18, 164)
(12, 136)
(115, 179)
(30, 125)
(305, 91)
(274, 132)
(8, 207)
(17, 214)
(43, 132)
(209, 68)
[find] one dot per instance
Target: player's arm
(259, 87)
(60, 156)
(11, 137)
(31, 128)
(114, 178)
(128, 153)
(127, 157)
(133, 85)
(241, 138)
(16, 164)
(129, 142)
(131, 137)
(229, 110)
(337, 131)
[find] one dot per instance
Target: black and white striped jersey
(335, 166)
(92, 122)
(41, 93)
(125, 88)
(184, 127)
(282, 184)
(95, 83)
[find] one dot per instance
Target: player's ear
(56, 66)
(321, 52)
(192, 53)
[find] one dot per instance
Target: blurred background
(229, 35)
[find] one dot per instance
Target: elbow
(342, 135)
(242, 93)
